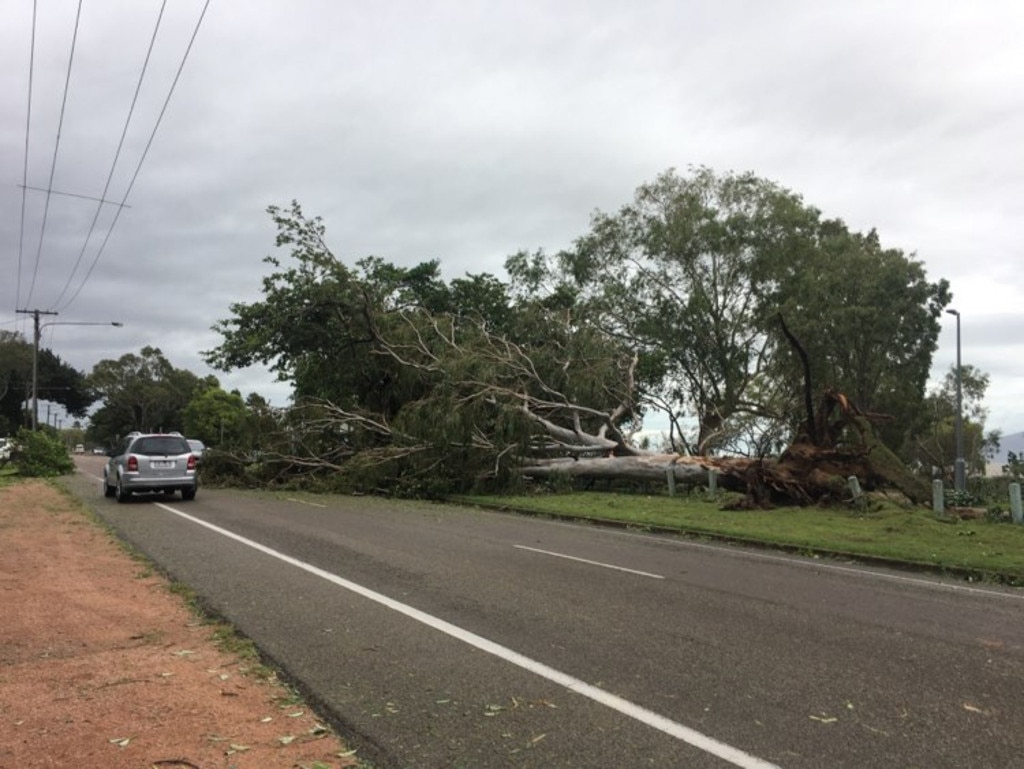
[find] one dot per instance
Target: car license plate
(161, 464)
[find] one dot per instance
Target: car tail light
(133, 463)
(191, 461)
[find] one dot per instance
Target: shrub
(40, 455)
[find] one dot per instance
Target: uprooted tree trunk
(805, 473)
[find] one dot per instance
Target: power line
(117, 156)
(24, 171)
(56, 149)
(142, 159)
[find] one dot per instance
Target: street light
(35, 355)
(958, 467)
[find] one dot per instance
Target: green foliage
(683, 273)
(316, 324)
(934, 431)
(215, 417)
(238, 470)
(954, 498)
(141, 392)
(695, 273)
(433, 367)
(60, 383)
(1014, 466)
(868, 320)
(57, 382)
(40, 454)
(404, 382)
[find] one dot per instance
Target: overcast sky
(465, 131)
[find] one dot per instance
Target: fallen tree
(485, 404)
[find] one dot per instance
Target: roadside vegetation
(39, 454)
(767, 341)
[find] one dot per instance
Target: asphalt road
(439, 636)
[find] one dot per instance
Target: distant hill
(1013, 442)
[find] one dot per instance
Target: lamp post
(959, 474)
(35, 353)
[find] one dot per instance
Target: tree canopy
(934, 447)
(56, 381)
(696, 272)
(720, 300)
(215, 417)
(141, 392)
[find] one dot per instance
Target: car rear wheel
(108, 490)
(188, 494)
(121, 493)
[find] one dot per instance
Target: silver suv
(152, 462)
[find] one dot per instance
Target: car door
(117, 460)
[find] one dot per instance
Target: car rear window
(162, 445)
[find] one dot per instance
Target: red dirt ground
(101, 666)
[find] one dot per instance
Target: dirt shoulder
(102, 665)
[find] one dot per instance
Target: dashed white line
(821, 565)
(587, 560)
(728, 753)
(304, 502)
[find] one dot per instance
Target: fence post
(1015, 508)
(670, 477)
(938, 497)
(712, 482)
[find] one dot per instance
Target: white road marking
(304, 502)
(858, 571)
(586, 560)
(728, 753)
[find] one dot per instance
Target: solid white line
(734, 756)
(586, 560)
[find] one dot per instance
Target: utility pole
(35, 362)
(959, 465)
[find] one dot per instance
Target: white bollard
(938, 497)
(855, 489)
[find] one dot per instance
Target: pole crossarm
(75, 195)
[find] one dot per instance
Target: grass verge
(980, 548)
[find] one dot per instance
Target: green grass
(980, 548)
